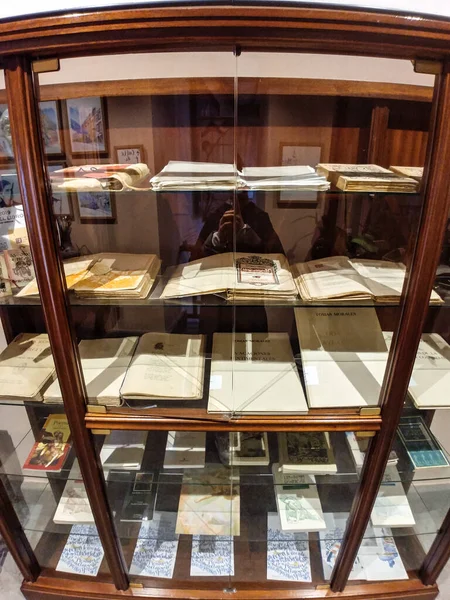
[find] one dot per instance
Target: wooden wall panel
(405, 147)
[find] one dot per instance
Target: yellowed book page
(73, 270)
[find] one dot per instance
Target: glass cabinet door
(39, 470)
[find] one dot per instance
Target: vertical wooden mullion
(15, 538)
(438, 555)
(376, 152)
(413, 311)
(25, 127)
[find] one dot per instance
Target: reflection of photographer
(239, 226)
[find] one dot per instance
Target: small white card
(83, 552)
(212, 556)
(287, 553)
(156, 548)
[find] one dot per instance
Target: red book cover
(50, 451)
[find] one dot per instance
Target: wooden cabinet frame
(266, 27)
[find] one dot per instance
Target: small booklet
(391, 508)
(306, 452)
(156, 547)
(298, 501)
(73, 506)
(50, 451)
(83, 552)
(288, 556)
(212, 556)
(166, 366)
(123, 450)
(185, 449)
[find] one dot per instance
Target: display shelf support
(28, 153)
(414, 308)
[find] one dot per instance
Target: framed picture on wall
(96, 207)
(129, 155)
(52, 133)
(87, 126)
(62, 201)
(9, 188)
(299, 154)
(6, 147)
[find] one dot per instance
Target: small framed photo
(6, 147)
(50, 113)
(9, 188)
(129, 155)
(61, 200)
(87, 126)
(304, 154)
(96, 207)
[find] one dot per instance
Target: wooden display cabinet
(391, 124)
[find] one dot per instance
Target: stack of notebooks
(366, 178)
(238, 276)
(306, 452)
(292, 176)
(98, 178)
(185, 175)
(254, 373)
(104, 363)
(339, 277)
(108, 276)
(166, 366)
(26, 367)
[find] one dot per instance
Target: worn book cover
(50, 451)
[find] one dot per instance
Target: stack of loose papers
(298, 501)
(344, 356)
(156, 547)
(292, 176)
(378, 558)
(118, 276)
(265, 277)
(209, 502)
(26, 367)
(83, 552)
(306, 452)
(254, 373)
(338, 277)
(185, 175)
(287, 553)
(104, 363)
(166, 366)
(185, 449)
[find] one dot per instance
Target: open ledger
(104, 363)
(26, 367)
(339, 277)
(344, 355)
(166, 366)
(238, 275)
(254, 373)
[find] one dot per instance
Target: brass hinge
(139, 586)
(323, 586)
(46, 65)
(429, 67)
(365, 434)
(101, 431)
(96, 408)
(369, 411)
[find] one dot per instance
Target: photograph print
(87, 125)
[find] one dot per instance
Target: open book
(339, 277)
(254, 373)
(104, 363)
(239, 276)
(26, 367)
(166, 366)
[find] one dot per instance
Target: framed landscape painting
(50, 112)
(87, 126)
(61, 200)
(96, 207)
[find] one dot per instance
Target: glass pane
(325, 227)
(38, 462)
